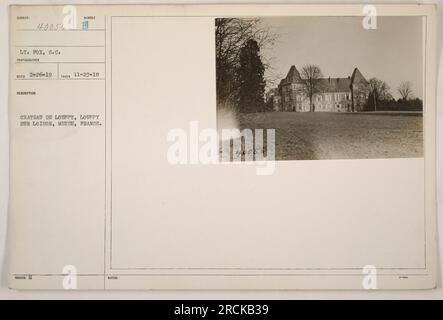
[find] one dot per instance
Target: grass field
(307, 136)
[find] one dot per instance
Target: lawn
(307, 136)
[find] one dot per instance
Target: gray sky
(392, 52)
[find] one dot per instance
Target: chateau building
(332, 94)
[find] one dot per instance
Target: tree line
(381, 99)
(240, 68)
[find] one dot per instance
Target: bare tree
(231, 34)
(405, 90)
(310, 78)
(379, 90)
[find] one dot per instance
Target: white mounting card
(223, 147)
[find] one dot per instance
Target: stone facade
(333, 95)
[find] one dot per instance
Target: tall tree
(405, 90)
(231, 34)
(251, 82)
(379, 91)
(310, 77)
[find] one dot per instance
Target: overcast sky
(392, 52)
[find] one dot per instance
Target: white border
(4, 145)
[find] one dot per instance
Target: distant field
(307, 135)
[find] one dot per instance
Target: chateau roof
(335, 84)
(327, 84)
(293, 75)
(357, 77)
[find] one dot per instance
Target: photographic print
(330, 87)
(143, 139)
